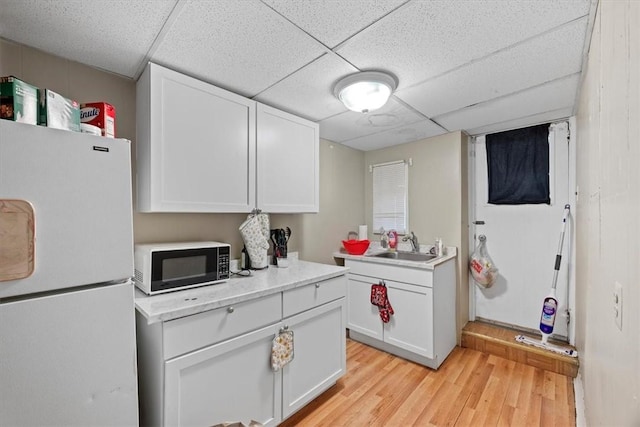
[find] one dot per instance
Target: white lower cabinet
(214, 367)
(413, 307)
(319, 354)
(362, 318)
(224, 382)
(423, 326)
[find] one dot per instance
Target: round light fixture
(365, 91)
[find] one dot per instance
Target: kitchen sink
(405, 256)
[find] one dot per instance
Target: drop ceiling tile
(113, 35)
(309, 91)
(331, 21)
(242, 46)
(350, 124)
(271, 46)
(403, 134)
(548, 97)
(427, 38)
(535, 119)
(550, 56)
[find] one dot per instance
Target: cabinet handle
(317, 285)
(230, 309)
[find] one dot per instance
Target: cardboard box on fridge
(56, 111)
(101, 115)
(18, 100)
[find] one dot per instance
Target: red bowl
(356, 247)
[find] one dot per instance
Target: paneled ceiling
(475, 65)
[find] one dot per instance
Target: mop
(550, 306)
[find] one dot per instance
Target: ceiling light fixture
(365, 91)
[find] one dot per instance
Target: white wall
(608, 217)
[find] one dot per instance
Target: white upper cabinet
(287, 162)
(195, 145)
(196, 150)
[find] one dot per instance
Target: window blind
(390, 197)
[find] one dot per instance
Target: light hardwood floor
(470, 389)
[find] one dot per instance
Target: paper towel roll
(362, 232)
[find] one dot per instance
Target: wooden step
(500, 341)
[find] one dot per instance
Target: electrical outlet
(617, 304)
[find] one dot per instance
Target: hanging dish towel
(380, 298)
(253, 235)
(282, 350)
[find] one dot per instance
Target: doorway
(522, 241)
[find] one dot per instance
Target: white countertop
(450, 252)
(172, 305)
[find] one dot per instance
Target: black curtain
(518, 166)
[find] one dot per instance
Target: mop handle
(556, 268)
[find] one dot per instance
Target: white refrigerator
(67, 329)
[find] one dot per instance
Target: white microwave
(165, 267)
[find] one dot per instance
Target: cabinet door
(362, 316)
(411, 326)
(287, 162)
(195, 145)
(319, 354)
(230, 381)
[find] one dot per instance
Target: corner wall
(608, 217)
(341, 202)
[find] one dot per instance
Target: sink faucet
(415, 246)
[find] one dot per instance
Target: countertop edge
(451, 253)
(173, 305)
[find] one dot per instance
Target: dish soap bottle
(393, 240)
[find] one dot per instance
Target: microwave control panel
(223, 263)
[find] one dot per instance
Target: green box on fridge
(18, 100)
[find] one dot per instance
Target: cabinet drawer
(197, 331)
(415, 276)
(309, 296)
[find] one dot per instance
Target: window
(390, 190)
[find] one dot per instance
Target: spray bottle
(548, 316)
